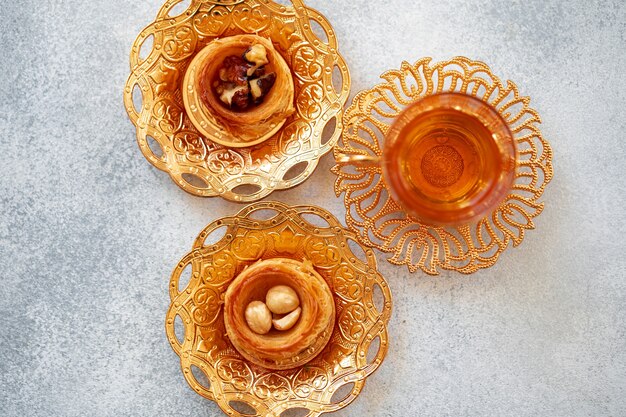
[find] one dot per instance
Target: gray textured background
(90, 231)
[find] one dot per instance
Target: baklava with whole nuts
(279, 313)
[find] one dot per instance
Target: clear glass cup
(448, 159)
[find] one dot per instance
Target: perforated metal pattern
(380, 222)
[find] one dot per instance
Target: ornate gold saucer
(169, 140)
(379, 221)
(268, 230)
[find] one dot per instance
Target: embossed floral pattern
(305, 65)
(272, 386)
(235, 371)
(346, 284)
(165, 77)
(225, 161)
(180, 44)
(206, 306)
(191, 145)
(250, 246)
(168, 115)
(319, 252)
(308, 380)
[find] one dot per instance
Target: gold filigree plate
(169, 141)
(379, 221)
(212, 366)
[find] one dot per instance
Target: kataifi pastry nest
(169, 140)
(280, 349)
(267, 230)
(380, 222)
(228, 127)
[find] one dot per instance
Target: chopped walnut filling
(259, 87)
(257, 56)
(234, 70)
(242, 80)
(234, 96)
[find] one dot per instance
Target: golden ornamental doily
(379, 221)
(359, 341)
(168, 139)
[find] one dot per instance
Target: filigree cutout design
(287, 233)
(205, 168)
(379, 221)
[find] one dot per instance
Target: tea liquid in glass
(450, 160)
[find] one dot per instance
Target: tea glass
(448, 159)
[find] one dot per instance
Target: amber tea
(449, 159)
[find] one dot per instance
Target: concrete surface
(89, 231)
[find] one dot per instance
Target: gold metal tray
(169, 140)
(379, 221)
(362, 299)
